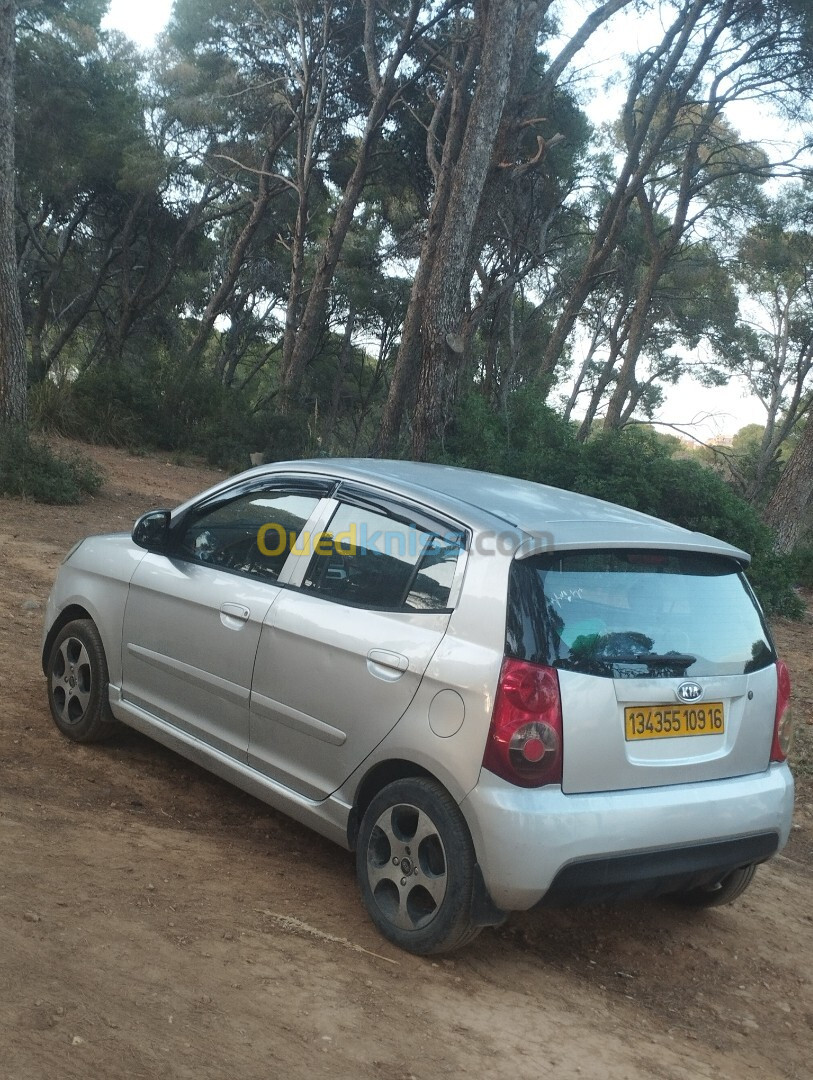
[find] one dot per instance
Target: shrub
(527, 439)
(632, 467)
(30, 468)
(802, 560)
(144, 405)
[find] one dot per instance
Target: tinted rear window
(377, 561)
(635, 614)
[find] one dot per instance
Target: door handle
(385, 664)
(234, 613)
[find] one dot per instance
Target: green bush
(802, 560)
(632, 467)
(31, 469)
(527, 439)
(146, 405)
(111, 407)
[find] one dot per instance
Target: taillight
(525, 739)
(783, 724)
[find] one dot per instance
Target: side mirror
(151, 531)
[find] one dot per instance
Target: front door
(194, 616)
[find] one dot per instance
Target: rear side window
(635, 614)
(371, 560)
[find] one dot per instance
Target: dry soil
(155, 922)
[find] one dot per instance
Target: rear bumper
(531, 843)
(653, 873)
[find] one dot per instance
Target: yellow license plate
(673, 721)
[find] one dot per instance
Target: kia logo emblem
(690, 691)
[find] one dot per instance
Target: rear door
(341, 657)
(666, 668)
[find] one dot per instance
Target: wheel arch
(381, 774)
(67, 615)
(484, 912)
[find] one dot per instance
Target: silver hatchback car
(498, 694)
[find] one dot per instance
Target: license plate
(673, 721)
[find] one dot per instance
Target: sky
(704, 413)
(140, 20)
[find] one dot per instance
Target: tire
(415, 867)
(77, 683)
(728, 888)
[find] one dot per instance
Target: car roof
(547, 516)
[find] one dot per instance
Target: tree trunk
(616, 336)
(313, 317)
(384, 89)
(646, 131)
(39, 369)
(589, 355)
(313, 92)
(455, 100)
(445, 302)
(82, 305)
(406, 363)
(433, 347)
(636, 337)
(13, 359)
(790, 503)
(782, 418)
(295, 288)
(605, 377)
(136, 303)
(219, 300)
(342, 364)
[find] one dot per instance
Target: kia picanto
(497, 694)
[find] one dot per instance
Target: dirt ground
(155, 922)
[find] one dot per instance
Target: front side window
(635, 614)
(252, 534)
(372, 560)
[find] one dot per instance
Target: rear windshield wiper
(652, 659)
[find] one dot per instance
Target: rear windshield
(635, 614)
